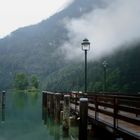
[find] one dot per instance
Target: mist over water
(108, 29)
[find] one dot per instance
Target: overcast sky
(19, 13)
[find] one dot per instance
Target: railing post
(44, 106)
(3, 105)
(115, 112)
(44, 99)
(75, 102)
(61, 107)
(66, 112)
(52, 104)
(96, 108)
(3, 99)
(48, 103)
(57, 107)
(83, 118)
(0, 100)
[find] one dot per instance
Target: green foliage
(36, 50)
(21, 81)
(97, 86)
(113, 80)
(34, 82)
(123, 74)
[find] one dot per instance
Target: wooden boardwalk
(131, 128)
(119, 113)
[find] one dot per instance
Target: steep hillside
(33, 49)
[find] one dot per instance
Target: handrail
(120, 107)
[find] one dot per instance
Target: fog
(108, 29)
(19, 13)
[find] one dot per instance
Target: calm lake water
(22, 120)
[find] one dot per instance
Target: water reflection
(52, 126)
(34, 97)
(55, 128)
(23, 113)
(44, 115)
(3, 114)
(20, 98)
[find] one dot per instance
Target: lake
(22, 120)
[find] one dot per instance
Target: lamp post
(85, 47)
(104, 66)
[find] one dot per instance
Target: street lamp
(85, 47)
(104, 66)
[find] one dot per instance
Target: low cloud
(108, 29)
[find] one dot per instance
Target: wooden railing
(121, 113)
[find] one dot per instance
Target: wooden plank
(101, 110)
(105, 104)
(129, 109)
(127, 119)
(131, 129)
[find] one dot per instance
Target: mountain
(34, 50)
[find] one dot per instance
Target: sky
(20, 13)
(108, 29)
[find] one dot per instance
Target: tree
(34, 82)
(21, 81)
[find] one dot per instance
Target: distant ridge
(31, 49)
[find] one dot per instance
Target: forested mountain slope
(123, 74)
(34, 50)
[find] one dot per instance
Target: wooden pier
(118, 114)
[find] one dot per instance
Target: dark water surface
(22, 120)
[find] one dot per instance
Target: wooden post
(57, 107)
(44, 99)
(115, 112)
(76, 102)
(48, 104)
(3, 99)
(44, 106)
(3, 105)
(96, 108)
(0, 100)
(66, 112)
(83, 118)
(52, 104)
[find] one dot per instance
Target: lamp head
(85, 45)
(105, 63)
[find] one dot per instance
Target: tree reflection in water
(23, 121)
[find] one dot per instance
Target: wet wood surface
(108, 120)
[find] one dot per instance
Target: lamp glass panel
(86, 47)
